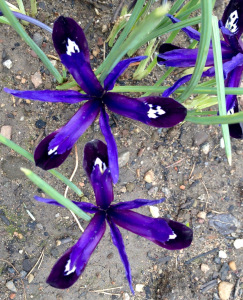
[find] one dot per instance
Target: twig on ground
(38, 261)
(175, 163)
(187, 262)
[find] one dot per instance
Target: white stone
(36, 79)
(225, 289)
(222, 145)
(222, 254)
(8, 64)
(139, 288)
(238, 243)
(206, 148)
(10, 285)
(205, 268)
(6, 131)
(154, 211)
(125, 296)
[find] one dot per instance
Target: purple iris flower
(72, 47)
(231, 26)
(163, 232)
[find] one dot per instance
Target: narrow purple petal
(156, 230)
(153, 111)
(71, 45)
(192, 33)
(85, 206)
(102, 185)
(176, 85)
(48, 161)
(50, 96)
(75, 127)
(55, 148)
(181, 238)
(236, 130)
(70, 266)
(135, 204)
(233, 80)
(93, 150)
(111, 145)
(232, 64)
(233, 20)
(118, 242)
(118, 70)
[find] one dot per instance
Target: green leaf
(54, 194)
(218, 64)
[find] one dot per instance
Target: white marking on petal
(172, 236)
(231, 111)
(67, 270)
(155, 111)
(72, 47)
(51, 151)
(101, 164)
(232, 21)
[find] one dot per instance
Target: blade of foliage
(217, 54)
(33, 8)
(19, 29)
(202, 50)
(30, 157)
(229, 119)
(54, 194)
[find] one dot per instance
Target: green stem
(33, 8)
(30, 157)
(19, 29)
(46, 188)
(229, 119)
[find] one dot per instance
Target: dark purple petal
(46, 161)
(118, 70)
(135, 204)
(93, 150)
(50, 96)
(85, 206)
(156, 230)
(176, 85)
(111, 145)
(71, 45)
(236, 130)
(232, 64)
(165, 47)
(153, 111)
(102, 184)
(233, 80)
(181, 238)
(233, 20)
(192, 33)
(70, 266)
(73, 129)
(118, 242)
(55, 148)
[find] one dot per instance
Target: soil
(189, 166)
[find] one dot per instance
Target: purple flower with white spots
(231, 26)
(163, 232)
(72, 47)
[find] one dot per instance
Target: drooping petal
(50, 96)
(55, 148)
(232, 64)
(153, 111)
(111, 145)
(182, 57)
(70, 266)
(93, 150)
(118, 242)
(233, 20)
(71, 45)
(135, 204)
(85, 206)
(102, 184)
(236, 130)
(192, 33)
(49, 161)
(156, 230)
(118, 70)
(75, 127)
(181, 238)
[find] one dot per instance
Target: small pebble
(36, 79)
(40, 124)
(23, 274)
(123, 158)
(125, 296)
(200, 138)
(238, 243)
(12, 296)
(6, 131)
(30, 278)
(149, 176)
(225, 289)
(232, 265)
(38, 39)
(139, 288)
(8, 64)
(154, 210)
(104, 28)
(206, 148)
(222, 145)
(130, 186)
(205, 268)
(10, 285)
(182, 187)
(202, 215)
(222, 254)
